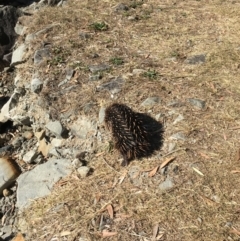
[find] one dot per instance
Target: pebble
(28, 135)
(36, 85)
(197, 103)
(100, 67)
(196, 59)
(40, 55)
(113, 86)
(150, 101)
(30, 156)
(178, 119)
(83, 171)
(77, 163)
(101, 115)
(166, 185)
(55, 127)
(178, 136)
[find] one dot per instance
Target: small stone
(166, 185)
(44, 147)
(150, 101)
(69, 74)
(171, 146)
(97, 68)
(36, 85)
(196, 59)
(17, 56)
(101, 115)
(30, 156)
(138, 72)
(197, 103)
(7, 192)
(9, 171)
(77, 163)
(28, 135)
(113, 86)
(56, 142)
(84, 35)
(40, 134)
(158, 116)
(55, 127)
(41, 54)
(121, 7)
(95, 77)
(83, 171)
(178, 119)
(178, 136)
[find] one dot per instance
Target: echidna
(135, 134)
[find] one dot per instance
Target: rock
(8, 57)
(196, 59)
(83, 171)
(19, 28)
(101, 115)
(178, 119)
(36, 85)
(166, 185)
(53, 152)
(138, 72)
(17, 56)
(150, 101)
(200, 104)
(113, 86)
(27, 135)
(83, 127)
(121, 7)
(5, 114)
(44, 147)
(6, 192)
(39, 181)
(77, 163)
(171, 146)
(178, 136)
(41, 55)
(84, 35)
(55, 127)
(56, 142)
(40, 134)
(69, 74)
(97, 68)
(95, 77)
(30, 156)
(9, 171)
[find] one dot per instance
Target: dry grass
(154, 36)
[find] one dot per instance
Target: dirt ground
(157, 37)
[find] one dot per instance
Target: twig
(171, 152)
(110, 166)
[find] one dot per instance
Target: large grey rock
(200, 104)
(39, 181)
(9, 171)
(18, 54)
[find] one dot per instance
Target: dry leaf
(106, 233)
(155, 232)
(204, 155)
(121, 179)
(235, 171)
(208, 201)
(153, 172)
(235, 231)
(19, 237)
(170, 159)
(197, 171)
(99, 154)
(110, 210)
(237, 157)
(65, 233)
